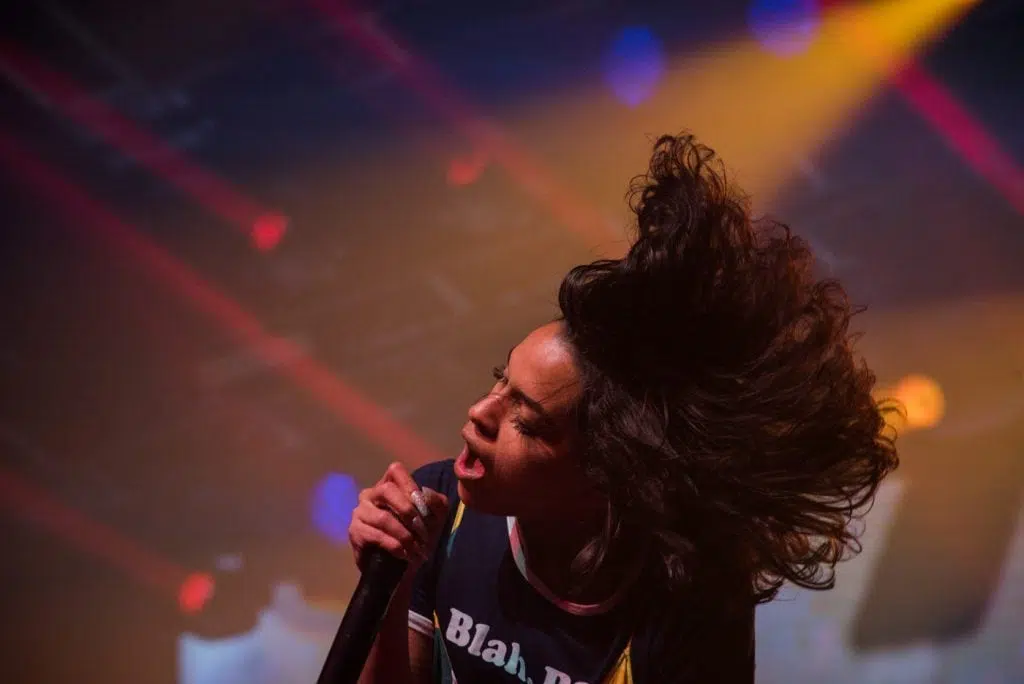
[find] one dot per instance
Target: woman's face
(520, 457)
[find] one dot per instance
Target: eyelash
(524, 428)
(520, 425)
(499, 374)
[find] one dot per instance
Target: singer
(693, 430)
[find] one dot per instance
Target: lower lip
(468, 467)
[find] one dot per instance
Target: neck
(552, 548)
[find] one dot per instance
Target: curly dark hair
(724, 411)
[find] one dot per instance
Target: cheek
(515, 462)
(539, 474)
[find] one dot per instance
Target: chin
(472, 497)
(469, 496)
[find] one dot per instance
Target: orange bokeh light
(922, 399)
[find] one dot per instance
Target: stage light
(267, 231)
(197, 589)
(922, 399)
(634, 65)
(333, 500)
(465, 170)
(784, 27)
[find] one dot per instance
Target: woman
(693, 431)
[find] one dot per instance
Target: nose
(485, 414)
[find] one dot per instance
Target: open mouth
(468, 465)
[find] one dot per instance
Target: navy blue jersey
(492, 620)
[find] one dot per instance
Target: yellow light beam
(763, 113)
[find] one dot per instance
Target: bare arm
(400, 655)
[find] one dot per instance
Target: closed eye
(533, 428)
(524, 428)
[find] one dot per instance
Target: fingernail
(420, 503)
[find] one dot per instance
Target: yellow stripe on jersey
(458, 517)
(622, 671)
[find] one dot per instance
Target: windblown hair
(724, 412)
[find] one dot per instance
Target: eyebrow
(518, 394)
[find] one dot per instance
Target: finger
(436, 502)
(397, 474)
(419, 528)
(383, 520)
(386, 523)
(400, 476)
(372, 536)
(420, 503)
(400, 503)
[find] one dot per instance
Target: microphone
(361, 622)
(359, 626)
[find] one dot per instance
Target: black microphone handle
(359, 626)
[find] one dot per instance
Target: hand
(387, 517)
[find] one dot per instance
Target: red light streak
(962, 132)
(206, 188)
(485, 136)
(87, 535)
(345, 401)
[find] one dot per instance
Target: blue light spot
(785, 27)
(333, 501)
(634, 65)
